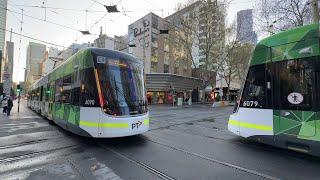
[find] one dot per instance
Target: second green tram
(280, 101)
(96, 93)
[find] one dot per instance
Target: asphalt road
(183, 143)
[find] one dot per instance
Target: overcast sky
(76, 19)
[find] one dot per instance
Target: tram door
(294, 98)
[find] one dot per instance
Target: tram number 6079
(250, 103)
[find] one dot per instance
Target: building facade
(155, 48)
(3, 18)
(206, 37)
(163, 73)
(54, 57)
(7, 71)
(121, 43)
(35, 55)
(245, 33)
(104, 41)
(49, 63)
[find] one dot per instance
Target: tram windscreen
(122, 87)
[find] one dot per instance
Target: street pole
(173, 96)
(19, 97)
(315, 7)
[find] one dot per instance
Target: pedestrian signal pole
(19, 96)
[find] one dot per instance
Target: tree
(236, 64)
(279, 15)
(199, 32)
(236, 58)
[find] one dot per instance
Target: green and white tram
(96, 93)
(280, 101)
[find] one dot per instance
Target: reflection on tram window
(122, 87)
(254, 91)
(295, 79)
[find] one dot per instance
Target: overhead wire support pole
(315, 7)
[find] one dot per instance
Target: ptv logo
(136, 125)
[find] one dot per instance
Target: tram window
(295, 81)
(58, 90)
(75, 95)
(66, 89)
(254, 93)
(89, 92)
(46, 93)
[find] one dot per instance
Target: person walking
(4, 103)
(9, 107)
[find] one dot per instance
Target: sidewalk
(24, 112)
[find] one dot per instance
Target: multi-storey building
(35, 54)
(204, 24)
(121, 43)
(54, 57)
(104, 41)
(245, 33)
(3, 17)
(7, 71)
(49, 63)
(168, 72)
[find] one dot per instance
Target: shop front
(168, 88)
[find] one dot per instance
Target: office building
(35, 55)
(3, 18)
(245, 33)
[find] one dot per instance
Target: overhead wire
(56, 8)
(47, 21)
(32, 38)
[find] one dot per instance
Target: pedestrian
(9, 107)
(4, 103)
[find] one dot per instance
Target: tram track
(253, 172)
(145, 166)
(32, 154)
(24, 143)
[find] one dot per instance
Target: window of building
(166, 45)
(154, 59)
(176, 67)
(165, 68)
(154, 39)
(155, 22)
(154, 65)
(166, 58)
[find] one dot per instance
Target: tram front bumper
(121, 129)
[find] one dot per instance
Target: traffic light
(19, 88)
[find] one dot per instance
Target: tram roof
(292, 44)
(67, 67)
